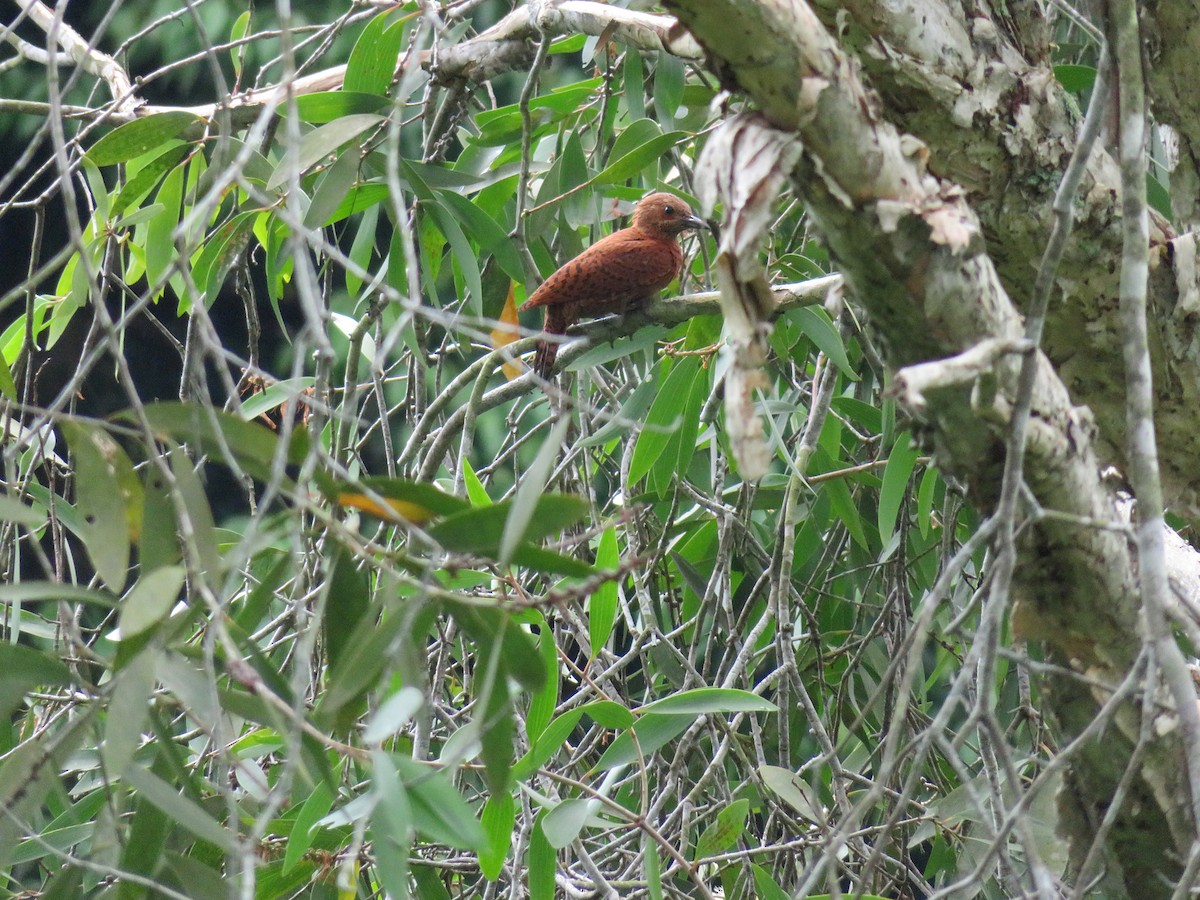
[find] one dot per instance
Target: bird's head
(665, 214)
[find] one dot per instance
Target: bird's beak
(694, 222)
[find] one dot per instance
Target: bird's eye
(668, 210)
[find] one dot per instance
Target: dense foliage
(325, 595)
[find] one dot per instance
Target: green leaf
(149, 175)
(681, 444)
(273, 397)
(634, 80)
(358, 668)
(439, 811)
(1158, 197)
(900, 465)
(241, 25)
(867, 417)
(792, 790)
(31, 770)
(925, 496)
(839, 496)
(654, 888)
(150, 599)
(608, 714)
(633, 410)
(498, 817)
(665, 417)
(392, 826)
(709, 700)
(669, 75)
(544, 701)
(323, 142)
(140, 136)
(476, 492)
(429, 884)
(653, 731)
(13, 510)
(765, 886)
(22, 669)
(332, 187)
(218, 435)
(393, 714)
(819, 328)
(363, 249)
(129, 710)
(541, 861)
(563, 823)
(348, 604)
(50, 591)
(640, 158)
(522, 659)
(180, 808)
(373, 60)
(602, 605)
(546, 745)
(318, 804)
(326, 106)
(199, 513)
(483, 530)
(8, 387)
(1076, 79)
(219, 254)
(468, 262)
(109, 497)
(723, 834)
(486, 231)
(160, 247)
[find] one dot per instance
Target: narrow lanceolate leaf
(819, 328)
(533, 484)
(546, 745)
(545, 699)
(109, 497)
(665, 417)
(563, 823)
(602, 607)
(899, 468)
(321, 143)
(499, 815)
(150, 600)
(182, 809)
(22, 669)
(540, 863)
(373, 60)
(654, 887)
(651, 731)
(710, 700)
(13, 510)
(139, 136)
(723, 834)
(315, 807)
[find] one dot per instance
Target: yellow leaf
(505, 331)
(395, 511)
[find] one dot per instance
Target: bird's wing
(627, 265)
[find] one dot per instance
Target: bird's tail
(555, 325)
(543, 360)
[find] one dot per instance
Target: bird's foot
(676, 348)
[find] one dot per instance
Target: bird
(613, 274)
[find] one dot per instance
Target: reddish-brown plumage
(629, 265)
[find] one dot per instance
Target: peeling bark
(894, 209)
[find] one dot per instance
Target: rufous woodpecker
(628, 266)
